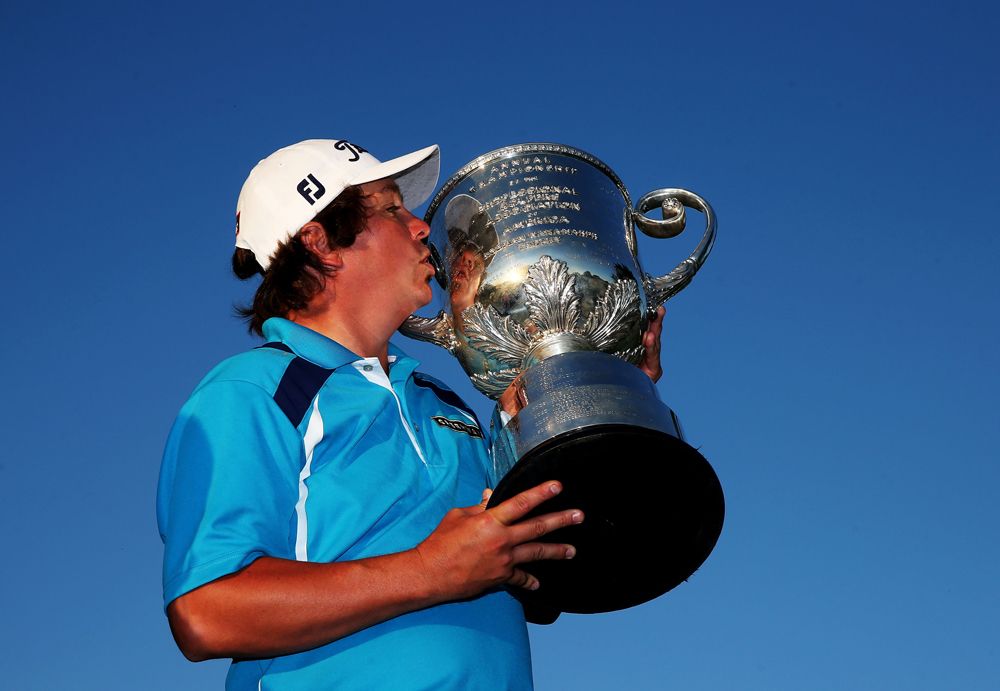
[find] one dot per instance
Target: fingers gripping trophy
(535, 250)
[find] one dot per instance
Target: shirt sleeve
(228, 485)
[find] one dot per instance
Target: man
(306, 494)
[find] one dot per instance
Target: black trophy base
(653, 510)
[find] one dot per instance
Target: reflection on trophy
(472, 238)
(536, 251)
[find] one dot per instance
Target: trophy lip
(517, 150)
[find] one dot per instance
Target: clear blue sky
(836, 359)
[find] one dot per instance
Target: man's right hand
(474, 549)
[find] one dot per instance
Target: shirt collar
(326, 352)
(401, 365)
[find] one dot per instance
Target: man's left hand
(651, 340)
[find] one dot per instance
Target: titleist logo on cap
(344, 145)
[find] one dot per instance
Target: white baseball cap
(288, 188)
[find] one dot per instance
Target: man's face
(388, 261)
(465, 275)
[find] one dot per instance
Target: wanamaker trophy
(535, 251)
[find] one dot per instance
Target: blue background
(836, 359)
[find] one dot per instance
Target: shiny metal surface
(672, 201)
(576, 390)
(539, 258)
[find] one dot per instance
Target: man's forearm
(277, 606)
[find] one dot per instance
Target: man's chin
(427, 297)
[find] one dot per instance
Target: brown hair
(296, 275)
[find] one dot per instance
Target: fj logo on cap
(458, 426)
(356, 151)
(308, 192)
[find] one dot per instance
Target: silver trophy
(535, 251)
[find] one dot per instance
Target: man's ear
(314, 238)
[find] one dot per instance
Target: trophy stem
(555, 344)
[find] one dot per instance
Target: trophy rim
(516, 150)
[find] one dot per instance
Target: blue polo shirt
(302, 450)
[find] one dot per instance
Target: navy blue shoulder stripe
(277, 345)
(299, 385)
(446, 395)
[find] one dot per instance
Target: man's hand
(512, 399)
(651, 340)
(475, 548)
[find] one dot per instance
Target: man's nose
(418, 229)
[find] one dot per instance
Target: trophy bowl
(535, 252)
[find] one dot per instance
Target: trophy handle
(672, 202)
(437, 330)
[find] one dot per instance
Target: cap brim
(416, 174)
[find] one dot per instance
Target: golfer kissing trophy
(535, 249)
